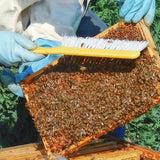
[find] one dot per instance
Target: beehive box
(75, 100)
(104, 148)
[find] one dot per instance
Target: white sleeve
(51, 19)
(10, 14)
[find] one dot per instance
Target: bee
(83, 68)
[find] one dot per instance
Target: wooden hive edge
(117, 155)
(101, 148)
(113, 145)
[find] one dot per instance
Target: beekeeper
(25, 24)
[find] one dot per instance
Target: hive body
(78, 99)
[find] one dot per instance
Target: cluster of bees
(81, 97)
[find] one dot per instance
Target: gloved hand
(135, 10)
(26, 69)
(32, 67)
(14, 48)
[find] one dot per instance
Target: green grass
(145, 130)
(17, 127)
(107, 10)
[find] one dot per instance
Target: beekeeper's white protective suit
(47, 19)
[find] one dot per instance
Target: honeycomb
(80, 98)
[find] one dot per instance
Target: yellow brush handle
(89, 52)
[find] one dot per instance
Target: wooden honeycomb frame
(151, 49)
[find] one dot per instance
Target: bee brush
(95, 47)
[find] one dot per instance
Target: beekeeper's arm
(40, 21)
(35, 19)
(13, 46)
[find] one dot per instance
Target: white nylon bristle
(104, 43)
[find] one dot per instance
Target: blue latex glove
(135, 10)
(32, 67)
(14, 48)
(9, 80)
(26, 69)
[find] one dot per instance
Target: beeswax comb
(96, 47)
